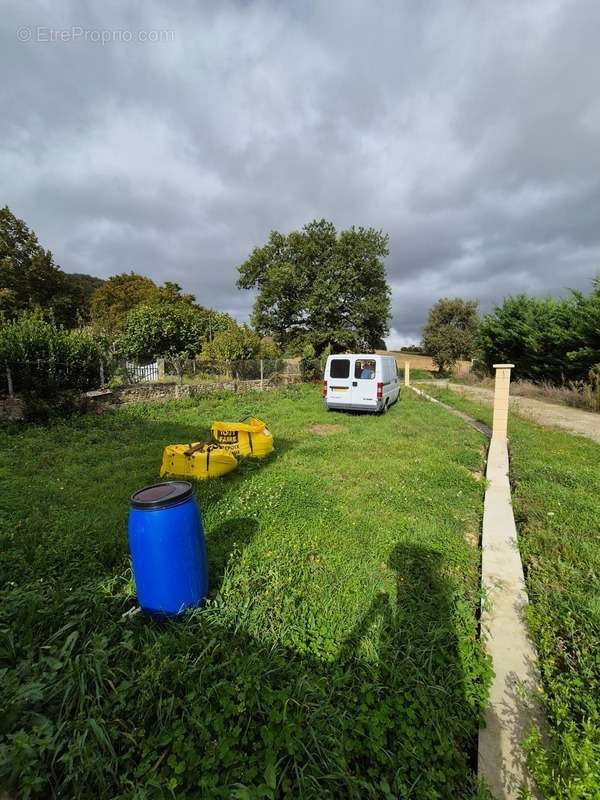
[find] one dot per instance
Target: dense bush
(311, 367)
(45, 359)
(234, 343)
(547, 339)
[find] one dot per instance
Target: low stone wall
(143, 392)
(11, 409)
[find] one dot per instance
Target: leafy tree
(216, 322)
(111, 302)
(30, 279)
(545, 338)
(175, 330)
(451, 330)
(269, 348)
(120, 294)
(235, 343)
(318, 287)
(171, 292)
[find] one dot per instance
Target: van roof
(359, 355)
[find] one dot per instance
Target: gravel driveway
(585, 423)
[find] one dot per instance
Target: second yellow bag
(249, 437)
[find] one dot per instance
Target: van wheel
(385, 408)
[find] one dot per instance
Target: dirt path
(585, 423)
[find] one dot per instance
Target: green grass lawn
(556, 494)
(337, 656)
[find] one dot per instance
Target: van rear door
(364, 391)
(339, 381)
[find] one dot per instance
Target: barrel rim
(172, 499)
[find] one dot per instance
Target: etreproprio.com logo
(103, 36)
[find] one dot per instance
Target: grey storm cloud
(469, 132)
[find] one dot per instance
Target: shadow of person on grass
(408, 652)
(390, 717)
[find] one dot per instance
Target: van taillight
(380, 391)
(324, 388)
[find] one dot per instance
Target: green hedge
(45, 359)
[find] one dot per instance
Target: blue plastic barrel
(168, 550)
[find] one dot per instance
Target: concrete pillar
(501, 394)
(161, 368)
(407, 373)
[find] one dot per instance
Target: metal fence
(264, 372)
(267, 370)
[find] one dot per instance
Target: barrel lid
(161, 495)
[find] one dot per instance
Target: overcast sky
(468, 131)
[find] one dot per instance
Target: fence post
(262, 372)
(407, 373)
(9, 380)
(501, 394)
(101, 374)
(161, 368)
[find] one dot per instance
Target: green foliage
(115, 301)
(318, 287)
(337, 657)
(46, 359)
(174, 330)
(29, 278)
(269, 348)
(233, 343)
(545, 338)
(311, 367)
(557, 510)
(112, 302)
(310, 364)
(413, 348)
(585, 356)
(450, 331)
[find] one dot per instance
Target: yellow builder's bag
(199, 460)
(249, 437)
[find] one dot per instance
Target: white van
(357, 382)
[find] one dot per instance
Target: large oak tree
(322, 288)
